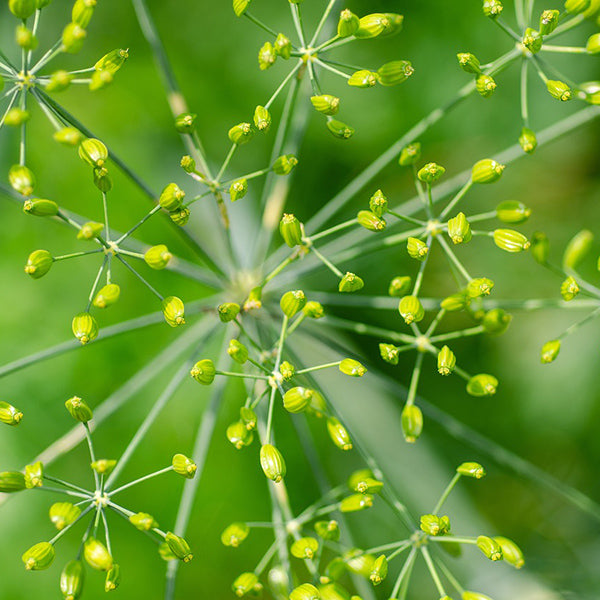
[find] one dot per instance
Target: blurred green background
(546, 415)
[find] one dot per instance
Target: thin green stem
(452, 258)
(140, 480)
(322, 22)
(319, 368)
(446, 493)
(432, 571)
(148, 285)
(326, 262)
(414, 380)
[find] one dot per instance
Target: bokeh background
(546, 415)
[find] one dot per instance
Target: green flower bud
(339, 434)
(510, 552)
(412, 423)
(548, 21)
(291, 230)
(248, 417)
(59, 82)
(171, 197)
(559, 90)
(93, 152)
(351, 367)
(272, 463)
(179, 547)
(380, 570)
(237, 351)
(188, 164)
(82, 12)
(363, 79)
(266, 56)
(550, 351)
(389, 353)
(90, 231)
(297, 399)
(371, 26)
(246, 583)
(238, 189)
(305, 547)
(112, 61)
(228, 311)
(40, 207)
(482, 385)
(21, 179)
(492, 8)
(485, 85)
(540, 247)
(73, 37)
(104, 466)
(510, 240)
(446, 361)
(355, 503)
(39, 557)
(430, 172)
(410, 154)
(471, 469)
(234, 534)
(71, 580)
(528, 140)
(185, 123)
(576, 6)
(204, 371)
(113, 578)
(34, 475)
(417, 249)
(262, 119)
(512, 211)
(173, 311)
(459, 229)
(362, 482)
(496, 321)
(284, 164)
(469, 62)
(432, 525)
(180, 217)
(239, 435)
(328, 530)
(455, 302)
(481, 286)
(474, 596)
(318, 406)
(254, 300)
(489, 547)
(340, 130)
(16, 116)
(85, 327)
(292, 302)
(22, 9)
(411, 309)
(10, 415)
(69, 136)
(577, 249)
(107, 296)
(165, 552)
(240, 7)
(306, 591)
(532, 40)
(241, 134)
(11, 481)
(395, 72)
(143, 521)
(399, 286)
(158, 257)
(326, 104)
(282, 46)
(79, 409)
(102, 180)
(313, 310)
(569, 289)
(350, 283)
(348, 24)
(378, 203)
(487, 171)
(593, 44)
(371, 221)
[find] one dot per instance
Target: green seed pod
(540, 247)
(246, 583)
(239, 435)
(389, 353)
(395, 72)
(180, 217)
(291, 230)
(411, 309)
(171, 197)
(593, 44)
(569, 289)
(455, 302)
(417, 249)
(241, 134)
(254, 300)
(550, 351)
(228, 311)
(489, 547)
(22, 9)
(188, 164)
(10, 415)
(158, 257)
(21, 179)
(262, 118)
(297, 399)
(314, 310)
(532, 40)
(93, 152)
(469, 62)
(487, 171)
(431, 525)
(90, 231)
(40, 208)
(73, 37)
(446, 361)
(112, 61)
(358, 478)
(352, 367)
(485, 85)
(496, 321)
(238, 189)
(576, 6)
(292, 302)
(492, 8)
(113, 578)
(459, 229)
(83, 11)
(474, 596)
(39, 557)
(559, 90)
(71, 580)
(107, 296)
(16, 116)
(510, 552)
(237, 351)
(79, 409)
(363, 79)
(481, 286)
(204, 371)
(85, 327)
(412, 423)
(378, 203)
(482, 385)
(11, 481)
(306, 591)
(284, 164)
(548, 21)
(355, 503)
(399, 286)
(371, 26)
(34, 475)
(339, 434)
(63, 514)
(185, 123)
(305, 547)
(380, 570)
(577, 249)
(392, 25)
(528, 140)
(347, 24)
(371, 221)
(248, 417)
(328, 530)
(350, 283)
(471, 469)
(240, 7)
(272, 463)
(513, 212)
(410, 154)
(340, 130)
(266, 56)
(233, 535)
(143, 521)
(430, 172)
(326, 104)
(69, 136)
(179, 547)
(59, 82)
(282, 46)
(510, 240)
(103, 466)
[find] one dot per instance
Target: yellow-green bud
(69, 136)
(34, 475)
(350, 283)
(22, 9)
(471, 469)
(326, 104)
(90, 230)
(358, 562)
(113, 578)
(241, 133)
(363, 79)
(21, 179)
(158, 257)
(292, 302)
(496, 321)
(339, 434)
(371, 221)
(548, 21)
(143, 521)
(93, 152)
(577, 249)
(204, 371)
(487, 171)
(355, 503)
(16, 116)
(85, 327)
(10, 415)
(239, 434)
(412, 423)
(238, 189)
(510, 552)
(474, 596)
(228, 311)
(103, 466)
(112, 61)
(297, 399)
(510, 240)
(399, 286)
(430, 172)
(380, 570)
(395, 72)
(39, 557)
(489, 547)
(446, 361)
(569, 289)
(480, 286)
(339, 129)
(513, 212)
(469, 62)
(59, 82)
(240, 7)
(305, 547)
(492, 8)
(282, 46)
(82, 12)
(306, 591)
(11, 481)
(246, 583)
(417, 249)
(248, 417)
(432, 525)
(262, 118)
(171, 197)
(411, 309)
(107, 296)
(328, 530)
(550, 351)
(179, 547)
(237, 351)
(40, 208)
(455, 302)
(272, 463)
(459, 229)
(233, 535)
(559, 90)
(482, 385)
(180, 217)
(187, 163)
(378, 203)
(410, 154)
(528, 140)
(485, 85)
(102, 180)
(389, 353)
(347, 24)
(254, 300)
(185, 123)
(576, 6)
(593, 44)
(71, 580)
(165, 552)
(313, 310)
(540, 247)
(352, 367)
(291, 230)
(79, 409)
(532, 40)
(284, 164)
(266, 56)
(73, 37)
